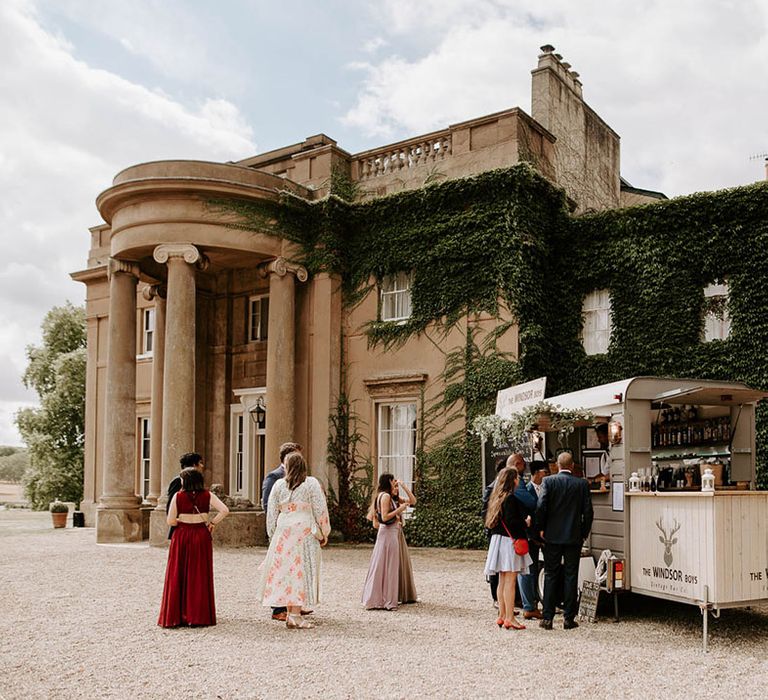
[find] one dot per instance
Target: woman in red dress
(188, 592)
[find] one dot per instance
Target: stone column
(325, 371)
(156, 488)
(281, 347)
(118, 518)
(178, 392)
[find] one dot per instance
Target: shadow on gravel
(748, 625)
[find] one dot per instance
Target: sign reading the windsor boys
(680, 545)
(665, 547)
(512, 400)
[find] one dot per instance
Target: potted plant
(59, 513)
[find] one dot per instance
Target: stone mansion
(206, 338)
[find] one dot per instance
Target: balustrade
(392, 159)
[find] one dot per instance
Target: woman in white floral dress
(297, 525)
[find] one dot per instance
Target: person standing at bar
(564, 518)
(529, 582)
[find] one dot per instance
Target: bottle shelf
(678, 458)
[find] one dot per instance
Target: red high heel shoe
(513, 624)
(500, 621)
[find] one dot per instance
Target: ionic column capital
(281, 266)
(154, 291)
(187, 251)
(115, 265)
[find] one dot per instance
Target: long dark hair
(192, 480)
(385, 486)
(505, 484)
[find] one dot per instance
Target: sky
(88, 87)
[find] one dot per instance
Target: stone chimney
(587, 149)
(550, 77)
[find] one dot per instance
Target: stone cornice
(115, 266)
(281, 266)
(97, 272)
(396, 386)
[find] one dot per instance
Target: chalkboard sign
(590, 591)
(491, 454)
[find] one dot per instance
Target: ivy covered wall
(503, 243)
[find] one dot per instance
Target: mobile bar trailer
(680, 540)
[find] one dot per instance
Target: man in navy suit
(564, 518)
(529, 583)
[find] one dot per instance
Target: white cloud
(681, 82)
(66, 128)
(180, 42)
(373, 45)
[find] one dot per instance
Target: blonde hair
(505, 484)
(295, 470)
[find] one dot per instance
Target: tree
(13, 463)
(54, 432)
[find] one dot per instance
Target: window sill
(144, 356)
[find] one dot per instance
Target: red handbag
(520, 544)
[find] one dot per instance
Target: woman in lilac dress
(381, 584)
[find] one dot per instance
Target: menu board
(590, 592)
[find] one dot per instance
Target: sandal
(294, 622)
(500, 621)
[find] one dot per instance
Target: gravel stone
(79, 620)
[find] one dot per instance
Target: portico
(159, 259)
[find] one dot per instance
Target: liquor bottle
(654, 481)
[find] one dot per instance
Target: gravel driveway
(78, 620)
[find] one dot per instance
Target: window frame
(148, 331)
(714, 328)
(237, 454)
(263, 324)
(383, 461)
(594, 345)
(247, 442)
(144, 454)
(389, 289)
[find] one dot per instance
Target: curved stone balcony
(170, 202)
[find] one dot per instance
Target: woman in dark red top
(188, 592)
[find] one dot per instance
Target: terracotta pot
(59, 519)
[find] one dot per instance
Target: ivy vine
(503, 243)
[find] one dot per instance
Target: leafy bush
(14, 461)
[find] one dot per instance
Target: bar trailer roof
(669, 390)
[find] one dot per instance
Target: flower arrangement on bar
(543, 416)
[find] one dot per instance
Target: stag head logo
(667, 540)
